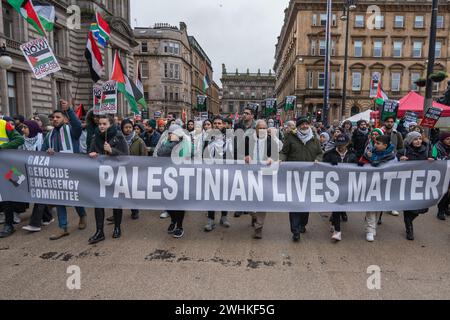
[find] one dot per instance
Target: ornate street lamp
(6, 61)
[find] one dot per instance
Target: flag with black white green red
(26, 9)
(140, 87)
(40, 57)
(125, 85)
(46, 14)
(206, 82)
(94, 58)
(381, 95)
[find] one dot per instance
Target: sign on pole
(97, 92)
(390, 109)
(431, 118)
(109, 97)
(410, 117)
(375, 82)
(40, 57)
(290, 103)
(157, 114)
(201, 103)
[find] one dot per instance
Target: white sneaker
(394, 213)
(337, 236)
(2, 218)
(370, 237)
(164, 215)
(224, 222)
(17, 219)
(45, 224)
(210, 226)
(31, 229)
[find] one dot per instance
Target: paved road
(228, 264)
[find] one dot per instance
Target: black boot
(442, 215)
(409, 228)
(135, 215)
(117, 233)
(97, 237)
(344, 217)
(7, 231)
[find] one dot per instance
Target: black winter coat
(335, 158)
(359, 142)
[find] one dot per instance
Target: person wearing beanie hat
(360, 138)
(174, 137)
(301, 146)
(161, 126)
(324, 139)
(416, 149)
(441, 151)
(151, 136)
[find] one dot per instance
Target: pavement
(227, 264)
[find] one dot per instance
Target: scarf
(305, 136)
(129, 138)
(443, 151)
(363, 131)
(101, 138)
(60, 139)
(33, 144)
(380, 157)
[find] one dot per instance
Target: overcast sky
(240, 33)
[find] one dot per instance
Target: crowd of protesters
(296, 141)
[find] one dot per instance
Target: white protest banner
(109, 97)
(97, 92)
(40, 57)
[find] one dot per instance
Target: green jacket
(138, 147)
(15, 140)
(295, 151)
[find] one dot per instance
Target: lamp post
(326, 98)
(431, 58)
(350, 5)
(6, 61)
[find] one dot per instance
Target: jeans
(62, 215)
(336, 221)
(212, 214)
(298, 219)
(372, 221)
(41, 212)
(177, 218)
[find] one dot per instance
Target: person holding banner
(175, 137)
(341, 154)
(441, 151)
(382, 153)
(151, 136)
(64, 138)
(360, 138)
(301, 146)
(10, 139)
(416, 149)
(111, 142)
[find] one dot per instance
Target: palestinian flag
(28, 12)
(46, 13)
(80, 113)
(206, 82)
(42, 57)
(140, 86)
(94, 58)
(101, 31)
(381, 96)
(124, 85)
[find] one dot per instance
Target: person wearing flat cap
(301, 145)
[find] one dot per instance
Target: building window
(323, 19)
(321, 80)
(172, 71)
(8, 20)
(12, 93)
(358, 48)
(417, 49)
(145, 72)
(58, 40)
(398, 46)
(144, 47)
(440, 22)
(172, 47)
(313, 47)
(396, 80)
(333, 80)
(359, 21)
(241, 106)
(231, 106)
(356, 84)
(314, 20)
(378, 49)
(379, 22)
(333, 47)
(438, 52)
(419, 22)
(146, 96)
(322, 47)
(310, 79)
(436, 86)
(414, 77)
(399, 22)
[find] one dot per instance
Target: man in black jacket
(360, 138)
(341, 154)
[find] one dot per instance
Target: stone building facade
(239, 89)
(22, 93)
(394, 44)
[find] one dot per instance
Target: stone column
(4, 92)
(28, 95)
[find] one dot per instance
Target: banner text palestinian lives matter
(158, 184)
